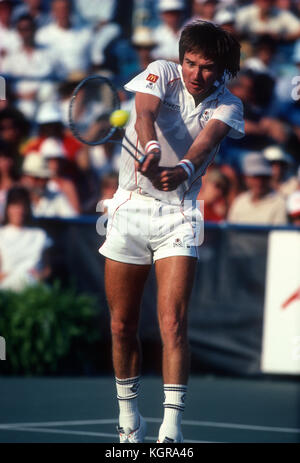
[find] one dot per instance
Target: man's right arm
(147, 108)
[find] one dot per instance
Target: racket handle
(142, 159)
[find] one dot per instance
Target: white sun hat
(52, 148)
(276, 153)
(48, 113)
(171, 5)
(34, 165)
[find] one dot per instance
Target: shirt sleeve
(231, 112)
(152, 81)
(290, 22)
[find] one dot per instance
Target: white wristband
(151, 145)
(188, 166)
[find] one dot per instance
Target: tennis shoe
(135, 436)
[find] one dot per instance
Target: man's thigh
(175, 278)
(124, 285)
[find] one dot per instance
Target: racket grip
(142, 159)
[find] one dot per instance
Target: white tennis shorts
(141, 229)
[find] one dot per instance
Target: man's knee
(123, 329)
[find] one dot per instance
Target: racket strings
(93, 101)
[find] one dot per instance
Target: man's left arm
(208, 139)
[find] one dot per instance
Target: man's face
(172, 18)
(61, 12)
(265, 5)
(26, 30)
(259, 185)
(199, 73)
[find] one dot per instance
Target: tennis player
(182, 113)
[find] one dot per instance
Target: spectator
(8, 175)
(280, 162)
(109, 186)
(214, 193)
(204, 10)
(255, 91)
(22, 248)
(50, 124)
(144, 44)
(14, 128)
(105, 159)
(34, 8)
(167, 34)
(262, 60)
(52, 151)
(263, 17)
(9, 39)
(259, 205)
(29, 61)
(95, 12)
(44, 203)
(69, 44)
(226, 19)
(293, 208)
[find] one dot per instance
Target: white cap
(255, 164)
(52, 148)
(293, 204)
(171, 5)
(34, 165)
(224, 17)
(49, 112)
(275, 153)
(143, 37)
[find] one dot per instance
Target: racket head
(92, 102)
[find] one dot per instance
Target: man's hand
(169, 178)
(149, 168)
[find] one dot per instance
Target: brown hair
(214, 43)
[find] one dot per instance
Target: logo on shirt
(173, 107)
(178, 243)
(150, 85)
(152, 78)
(205, 116)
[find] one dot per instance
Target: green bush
(46, 329)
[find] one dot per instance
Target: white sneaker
(133, 437)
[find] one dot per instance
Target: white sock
(127, 394)
(174, 404)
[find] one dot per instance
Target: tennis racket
(92, 103)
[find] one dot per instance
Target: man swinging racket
(182, 113)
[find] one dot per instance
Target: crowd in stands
(48, 46)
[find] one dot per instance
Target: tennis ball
(119, 118)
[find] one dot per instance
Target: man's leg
(124, 284)
(175, 276)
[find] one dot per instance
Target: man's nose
(197, 75)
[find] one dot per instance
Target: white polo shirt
(178, 123)
(279, 21)
(70, 48)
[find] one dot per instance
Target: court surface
(84, 410)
